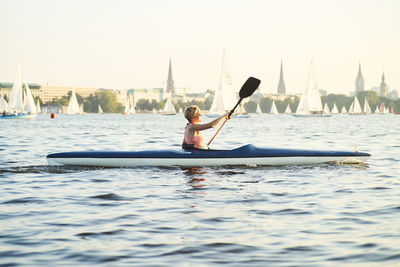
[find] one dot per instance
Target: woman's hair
(191, 111)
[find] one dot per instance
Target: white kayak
(245, 155)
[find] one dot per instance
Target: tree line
(109, 103)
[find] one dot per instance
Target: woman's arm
(200, 127)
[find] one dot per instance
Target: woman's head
(192, 112)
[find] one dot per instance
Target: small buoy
(53, 115)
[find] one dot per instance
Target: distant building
(359, 80)
(384, 88)
(170, 82)
(281, 85)
(148, 94)
(49, 93)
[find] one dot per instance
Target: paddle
(247, 90)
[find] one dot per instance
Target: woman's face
(198, 117)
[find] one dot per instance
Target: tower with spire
(170, 82)
(359, 80)
(281, 85)
(384, 89)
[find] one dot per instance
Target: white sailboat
(132, 109)
(326, 109)
(169, 108)
(3, 104)
(273, 109)
(38, 108)
(344, 110)
(19, 107)
(367, 108)
(224, 97)
(310, 104)
(30, 106)
(241, 113)
(127, 107)
(258, 110)
(377, 109)
(288, 110)
(99, 109)
(73, 106)
(355, 108)
(335, 109)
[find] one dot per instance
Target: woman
(192, 137)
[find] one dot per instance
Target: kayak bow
(245, 155)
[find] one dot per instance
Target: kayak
(244, 155)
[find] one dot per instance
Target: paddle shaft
(220, 127)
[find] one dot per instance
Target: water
(325, 215)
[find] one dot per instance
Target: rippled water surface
(328, 215)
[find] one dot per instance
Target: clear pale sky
(127, 43)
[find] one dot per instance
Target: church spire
(281, 85)
(170, 82)
(359, 80)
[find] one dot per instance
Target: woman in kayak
(192, 137)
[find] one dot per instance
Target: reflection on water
(196, 176)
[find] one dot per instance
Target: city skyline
(128, 44)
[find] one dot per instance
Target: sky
(125, 44)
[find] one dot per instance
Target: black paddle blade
(249, 87)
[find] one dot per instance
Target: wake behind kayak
(245, 155)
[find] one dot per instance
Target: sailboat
(224, 97)
(242, 113)
(273, 109)
(310, 104)
(344, 110)
(169, 108)
(355, 108)
(73, 106)
(132, 109)
(20, 104)
(258, 110)
(99, 109)
(3, 104)
(335, 109)
(38, 108)
(288, 110)
(367, 108)
(127, 108)
(326, 109)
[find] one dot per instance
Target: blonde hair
(191, 111)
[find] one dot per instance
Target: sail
(310, 101)
(169, 107)
(73, 106)
(132, 109)
(377, 109)
(3, 104)
(99, 109)
(225, 98)
(38, 108)
(30, 106)
(335, 109)
(15, 103)
(326, 109)
(273, 109)
(217, 106)
(288, 110)
(367, 108)
(344, 110)
(355, 107)
(258, 110)
(127, 107)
